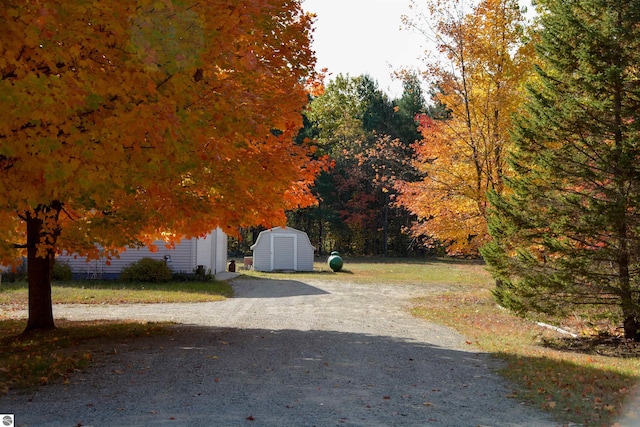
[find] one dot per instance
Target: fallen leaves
(41, 359)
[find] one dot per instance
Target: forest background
(411, 174)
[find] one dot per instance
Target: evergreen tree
(567, 229)
(408, 106)
(369, 139)
(376, 108)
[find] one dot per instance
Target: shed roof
(283, 231)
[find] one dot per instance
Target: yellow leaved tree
(485, 59)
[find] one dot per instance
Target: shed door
(284, 253)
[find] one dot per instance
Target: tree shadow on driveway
(205, 376)
(269, 288)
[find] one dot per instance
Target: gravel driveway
(282, 353)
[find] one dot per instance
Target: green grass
(113, 292)
(391, 270)
(38, 358)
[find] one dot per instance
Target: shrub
(146, 270)
(198, 275)
(61, 271)
(17, 274)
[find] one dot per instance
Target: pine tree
(410, 104)
(566, 231)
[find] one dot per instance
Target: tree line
(369, 138)
(528, 155)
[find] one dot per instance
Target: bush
(146, 270)
(198, 275)
(11, 276)
(61, 271)
(17, 274)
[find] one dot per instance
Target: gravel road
(282, 353)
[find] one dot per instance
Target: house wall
(221, 251)
(306, 253)
(211, 252)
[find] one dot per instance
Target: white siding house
(283, 249)
(210, 252)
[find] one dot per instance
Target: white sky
(365, 37)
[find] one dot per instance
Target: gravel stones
(282, 353)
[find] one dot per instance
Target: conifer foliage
(567, 227)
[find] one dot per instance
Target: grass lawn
(114, 292)
(585, 388)
(392, 270)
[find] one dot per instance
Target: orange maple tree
(127, 121)
(486, 60)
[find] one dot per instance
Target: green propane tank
(334, 261)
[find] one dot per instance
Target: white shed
(283, 249)
(210, 252)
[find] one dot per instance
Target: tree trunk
(320, 238)
(631, 320)
(39, 266)
(631, 328)
(385, 226)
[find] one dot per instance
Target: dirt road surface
(282, 353)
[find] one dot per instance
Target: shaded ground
(282, 353)
(603, 345)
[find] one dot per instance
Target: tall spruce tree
(566, 234)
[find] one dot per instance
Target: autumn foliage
(484, 61)
(369, 137)
(128, 121)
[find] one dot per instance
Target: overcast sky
(365, 37)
